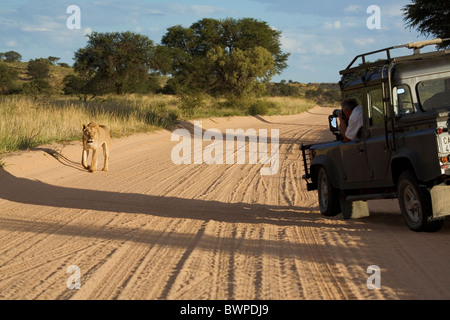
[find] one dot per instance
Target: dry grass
(288, 105)
(26, 123)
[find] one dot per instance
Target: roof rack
(412, 45)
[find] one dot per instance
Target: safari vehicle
(403, 150)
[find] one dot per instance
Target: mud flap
(354, 209)
(440, 199)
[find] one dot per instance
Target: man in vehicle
(352, 111)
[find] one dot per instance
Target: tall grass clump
(290, 105)
(263, 107)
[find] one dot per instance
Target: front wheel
(415, 204)
(328, 196)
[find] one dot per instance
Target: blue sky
(322, 36)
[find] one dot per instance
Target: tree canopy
(115, 61)
(429, 17)
(223, 57)
(8, 79)
(230, 58)
(39, 69)
(10, 56)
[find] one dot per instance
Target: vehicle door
(377, 151)
(353, 153)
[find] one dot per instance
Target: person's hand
(342, 124)
(341, 119)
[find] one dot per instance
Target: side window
(402, 100)
(434, 94)
(375, 98)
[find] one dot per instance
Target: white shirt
(355, 122)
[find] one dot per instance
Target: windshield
(434, 94)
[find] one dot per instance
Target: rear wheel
(415, 203)
(328, 196)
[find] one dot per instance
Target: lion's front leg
(93, 167)
(84, 159)
(106, 156)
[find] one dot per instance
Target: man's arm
(343, 129)
(355, 122)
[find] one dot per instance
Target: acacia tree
(8, 79)
(53, 60)
(12, 56)
(429, 17)
(242, 73)
(223, 57)
(39, 71)
(115, 61)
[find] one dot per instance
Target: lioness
(94, 137)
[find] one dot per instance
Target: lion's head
(90, 132)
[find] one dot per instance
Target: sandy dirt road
(149, 229)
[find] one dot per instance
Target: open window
(403, 103)
(376, 115)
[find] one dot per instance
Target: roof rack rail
(412, 45)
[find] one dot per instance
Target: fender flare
(324, 162)
(410, 159)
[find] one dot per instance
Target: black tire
(415, 204)
(328, 196)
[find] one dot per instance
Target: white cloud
(42, 24)
(198, 10)
(392, 11)
(11, 43)
(292, 45)
(334, 25)
(353, 9)
(364, 41)
(201, 10)
(8, 22)
(307, 67)
(312, 44)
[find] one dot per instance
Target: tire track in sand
(162, 231)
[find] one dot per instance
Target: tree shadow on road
(26, 191)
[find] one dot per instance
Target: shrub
(262, 107)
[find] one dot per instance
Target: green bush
(262, 107)
(191, 101)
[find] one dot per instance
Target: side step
(377, 196)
